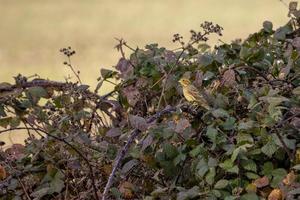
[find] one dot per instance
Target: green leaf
(278, 176)
(205, 60)
(267, 169)
(221, 184)
(251, 175)
(202, 168)
(212, 134)
(270, 148)
(210, 176)
(5, 121)
(244, 138)
(280, 33)
(197, 150)
(107, 73)
(229, 124)
(268, 26)
(246, 125)
(296, 91)
(188, 194)
(219, 113)
(37, 92)
(41, 192)
(249, 165)
(229, 166)
(57, 184)
(240, 149)
(170, 150)
(249, 196)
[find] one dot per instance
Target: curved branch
(124, 150)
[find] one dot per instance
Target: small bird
(192, 94)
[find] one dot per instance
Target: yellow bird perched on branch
(192, 94)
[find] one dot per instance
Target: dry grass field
(33, 31)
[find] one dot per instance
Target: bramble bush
(143, 140)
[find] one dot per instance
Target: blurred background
(33, 31)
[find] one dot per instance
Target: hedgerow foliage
(143, 140)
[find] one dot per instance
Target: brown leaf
(126, 188)
(284, 72)
(293, 5)
(276, 194)
(3, 173)
(138, 122)
(261, 182)
(290, 178)
(141, 82)
(296, 123)
(106, 169)
(296, 42)
(228, 78)
(182, 125)
(16, 151)
(132, 94)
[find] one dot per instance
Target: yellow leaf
(290, 178)
(276, 194)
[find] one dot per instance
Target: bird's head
(184, 81)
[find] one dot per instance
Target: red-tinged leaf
(261, 182)
(125, 68)
(132, 94)
(228, 78)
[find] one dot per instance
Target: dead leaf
(132, 94)
(127, 188)
(198, 79)
(284, 72)
(228, 78)
(276, 194)
(261, 182)
(141, 82)
(296, 42)
(3, 173)
(138, 122)
(16, 151)
(290, 178)
(106, 169)
(125, 68)
(182, 125)
(296, 123)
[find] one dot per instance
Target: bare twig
(124, 150)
